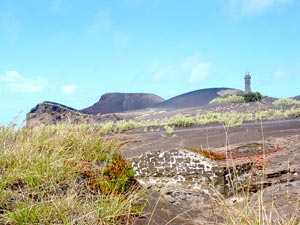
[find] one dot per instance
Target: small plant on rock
(208, 153)
(110, 174)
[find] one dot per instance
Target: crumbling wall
(177, 167)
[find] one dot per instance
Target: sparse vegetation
(123, 125)
(231, 118)
(181, 121)
(108, 127)
(286, 101)
(169, 129)
(228, 98)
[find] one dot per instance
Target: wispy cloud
(102, 21)
(69, 89)
(254, 6)
(281, 75)
(14, 82)
(200, 72)
(11, 26)
(191, 69)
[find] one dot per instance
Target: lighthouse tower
(247, 83)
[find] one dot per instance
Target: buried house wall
(183, 167)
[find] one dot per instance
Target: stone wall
(183, 167)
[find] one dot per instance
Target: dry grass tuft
(64, 174)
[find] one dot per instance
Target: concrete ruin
(192, 170)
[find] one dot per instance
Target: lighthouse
(247, 83)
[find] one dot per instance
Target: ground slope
(195, 98)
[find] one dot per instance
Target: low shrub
(252, 97)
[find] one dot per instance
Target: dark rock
(52, 113)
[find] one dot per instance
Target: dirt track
(214, 136)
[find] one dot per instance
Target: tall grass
(246, 207)
(52, 175)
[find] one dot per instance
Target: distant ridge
(297, 97)
(196, 98)
(121, 102)
(110, 104)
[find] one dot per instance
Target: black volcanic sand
(207, 137)
(160, 211)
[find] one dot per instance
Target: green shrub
(252, 97)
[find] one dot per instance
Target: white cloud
(15, 82)
(102, 21)
(70, 89)
(191, 69)
(254, 6)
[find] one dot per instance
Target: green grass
(63, 174)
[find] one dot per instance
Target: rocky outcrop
(121, 102)
(273, 186)
(53, 113)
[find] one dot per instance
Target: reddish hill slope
(120, 102)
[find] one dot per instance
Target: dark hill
(120, 102)
(297, 97)
(196, 98)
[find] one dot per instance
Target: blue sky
(73, 51)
